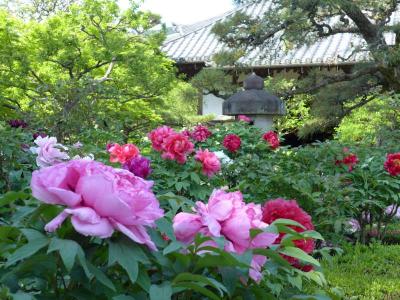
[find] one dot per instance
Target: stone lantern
(255, 102)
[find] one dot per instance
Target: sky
(186, 12)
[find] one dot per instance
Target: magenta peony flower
(232, 142)
(108, 146)
(176, 147)
(210, 162)
(272, 138)
(17, 123)
(122, 153)
(139, 166)
(158, 135)
(289, 209)
(244, 118)
(99, 199)
(49, 152)
(186, 133)
(227, 215)
(37, 134)
(200, 133)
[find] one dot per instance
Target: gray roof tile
(198, 44)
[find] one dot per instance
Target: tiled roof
(198, 44)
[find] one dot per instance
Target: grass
(367, 272)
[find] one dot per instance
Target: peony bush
(183, 214)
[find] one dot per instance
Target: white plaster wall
(212, 105)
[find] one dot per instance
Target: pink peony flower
(272, 138)
(109, 145)
(99, 199)
(200, 133)
(139, 166)
(244, 118)
(232, 142)
(158, 136)
(289, 209)
(392, 164)
(186, 133)
(227, 215)
(210, 162)
(176, 147)
(122, 153)
(49, 152)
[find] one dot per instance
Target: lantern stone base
(264, 122)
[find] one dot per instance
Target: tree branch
(333, 79)
(96, 66)
(108, 72)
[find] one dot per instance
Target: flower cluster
(122, 153)
(232, 142)
(99, 199)
(227, 215)
(49, 152)
(200, 133)
(210, 162)
(289, 209)
(272, 138)
(175, 146)
(392, 164)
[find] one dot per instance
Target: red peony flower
(350, 161)
(272, 138)
(210, 162)
(176, 147)
(158, 135)
(200, 133)
(232, 142)
(122, 153)
(289, 209)
(392, 163)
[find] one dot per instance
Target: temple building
(193, 47)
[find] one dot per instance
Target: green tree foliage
(375, 123)
(90, 66)
(307, 21)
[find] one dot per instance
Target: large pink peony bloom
(227, 215)
(210, 162)
(200, 133)
(158, 135)
(123, 153)
(177, 147)
(49, 152)
(99, 199)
